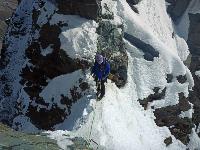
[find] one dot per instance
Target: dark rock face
(44, 118)
(6, 10)
(169, 116)
(41, 69)
(194, 47)
(156, 96)
(194, 34)
(85, 8)
(111, 45)
(169, 78)
(181, 79)
(48, 67)
(194, 95)
(177, 8)
(168, 141)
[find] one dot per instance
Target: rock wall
(6, 10)
(177, 8)
(111, 45)
(33, 76)
(85, 8)
(34, 69)
(194, 45)
(194, 34)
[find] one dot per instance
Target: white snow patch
(156, 20)
(47, 50)
(59, 86)
(46, 13)
(182, 48)
(194, 143)
(197, 73)
(187, 114)
(63, 140)
(79, 39)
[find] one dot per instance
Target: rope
(90, 131)
(92, 121)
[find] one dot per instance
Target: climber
(100, 72)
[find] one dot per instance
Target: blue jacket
(101, 71)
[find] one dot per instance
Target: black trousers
(100, 87)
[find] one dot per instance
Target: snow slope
(118, 121)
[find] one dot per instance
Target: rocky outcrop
(168, 141)
(169, 78)
(6, 10)
(194, 34)
(152, 97)
(170, 116)
(111, 44)
(85, 8)
(194, 47)
(194, 94)
(177, 8)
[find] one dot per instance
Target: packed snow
(83, 45)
